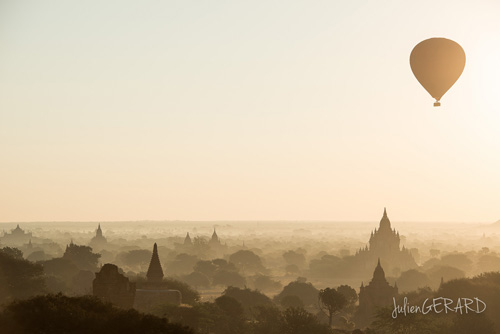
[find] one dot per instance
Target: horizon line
(244, 221)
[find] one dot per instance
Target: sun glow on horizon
(245, 111)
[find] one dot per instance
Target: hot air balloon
(437, 63)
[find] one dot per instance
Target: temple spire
(215, 238)
(385, 223)
(187, 239)
(378, 274)
(155, 272)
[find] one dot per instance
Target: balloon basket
(437, 104)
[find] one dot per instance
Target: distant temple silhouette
(384, 244)
(214, 241)
(378, 293)
(99, 241)
(187, 240)
(197, 245)
(16, 237)
(110, 285)
(155, 271)
(154, 291)
(384, 241)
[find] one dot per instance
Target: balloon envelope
(437, 63)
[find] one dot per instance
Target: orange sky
(259, 110)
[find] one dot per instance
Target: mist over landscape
(258, 263)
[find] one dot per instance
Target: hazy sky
(124, 110)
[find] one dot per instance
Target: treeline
(485, 286)
(56, 314)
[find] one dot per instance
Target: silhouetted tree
(412, 323)
(292, 269)
(266, 283)
(207, 268)
(224, 265)
(19, 278)
(60, 267)
(472, 323)
(197, 279)
(292, 257)
(488, 262)
(82, 282)
(12, 252)
(182, 264)
(199, 316)
(200, 247)
(189, 295)
(349, 293)
(247, 260)
(82, 257)
(305, 291)
(327, 266)
(270, 320)
(248, 298)
(447, 273)
(458, 260)
(230, 320)
(135, 258)
(486, 287)
(37, 256)
(412, 279)
(352, 297)
(267, 320)
(299, 321)
(291, 301)
(331, 301)
(54, 314)
(229, 278)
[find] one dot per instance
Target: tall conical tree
(155, 272)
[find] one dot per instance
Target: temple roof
(17, 230)
(378, 274)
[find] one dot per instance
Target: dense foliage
(19, 278)
(55, 314)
